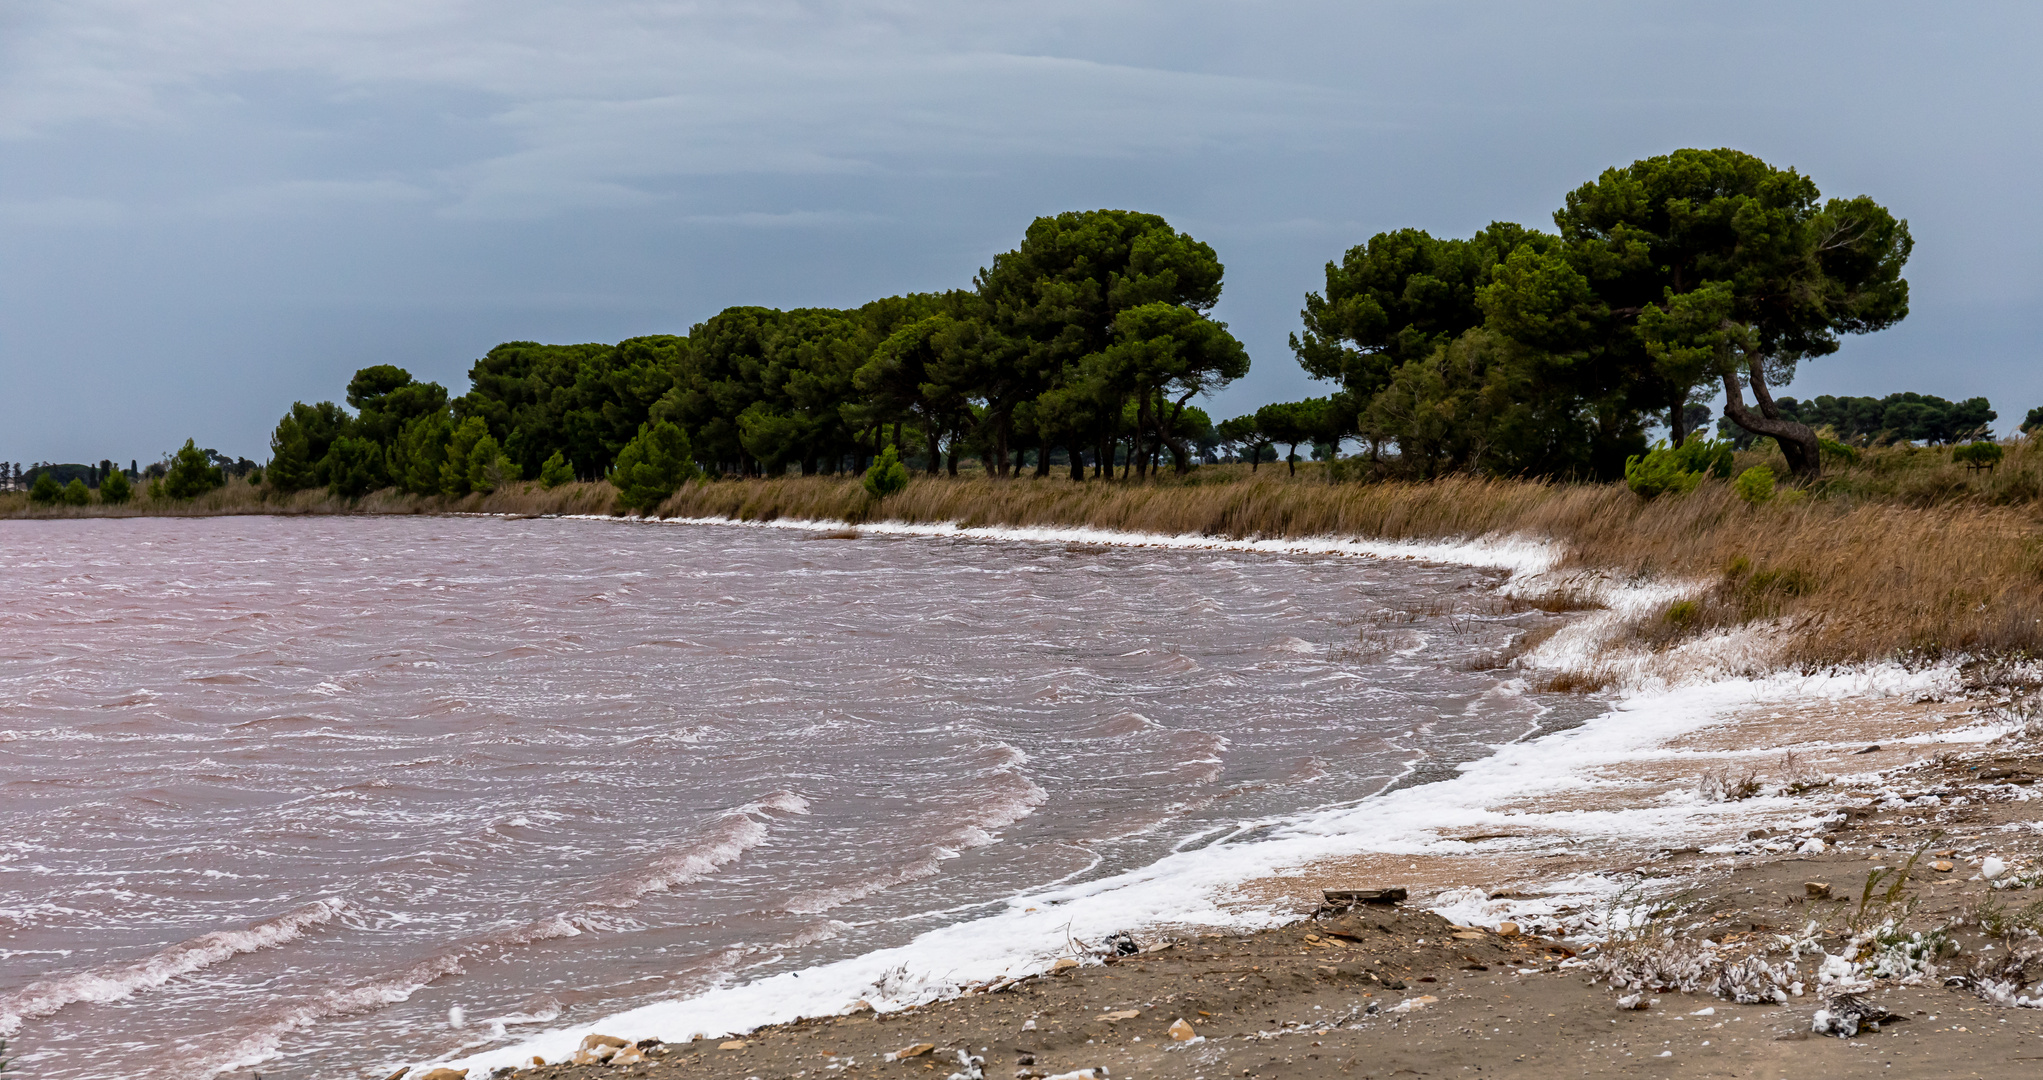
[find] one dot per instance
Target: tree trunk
(935, 459)
(1798, 443)
(1077, 461)
(1000, 446)
(1677, 421)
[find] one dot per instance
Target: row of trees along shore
(1514, 352)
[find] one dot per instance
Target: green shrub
(1832, 450)
(45, 490)
(75, 493)
(1755, 485)
(1979, 455)
(555, 471)
(254, 479)
(1705, 457)
(887, 476)
(652, 465)
(191, 474)
(1683, 613)
(115, 489)
(1658, 472)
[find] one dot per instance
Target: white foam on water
(724, 842)
(115, 982)
(1518, 554)
(735, 833)
(1197, 888)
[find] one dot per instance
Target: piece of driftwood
(1347, 899)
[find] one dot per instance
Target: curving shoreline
(1573, 801)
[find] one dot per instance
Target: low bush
(1755, 485)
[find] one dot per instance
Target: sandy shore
(1398, 990)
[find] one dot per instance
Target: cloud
(600, 104)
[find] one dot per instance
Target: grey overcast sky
(208, 210)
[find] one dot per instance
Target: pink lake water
(278, 794)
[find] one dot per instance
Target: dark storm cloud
(209, 210)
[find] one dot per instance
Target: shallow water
(286, 791)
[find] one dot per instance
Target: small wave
(260, 1041)
(115, 982)
(1126, 723)
(734, 834)
(229, 679)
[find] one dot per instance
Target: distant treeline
(1917, 418)
(1514, 352)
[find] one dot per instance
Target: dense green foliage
(1090, 339)
(1520, 352)
(1919, 418)
(45, 490)
(1511, 352)
(191, 473)
(887, 475)
(655, 462)
(1754, 485)
(115, 488)
(1979, 455)
(76, 493)
(554, 471)
(1658, 472)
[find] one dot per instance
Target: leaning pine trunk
(1797, 441)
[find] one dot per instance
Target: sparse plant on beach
(1795, 775)
(1884, 899)
(1643, 950)
(1726, 784)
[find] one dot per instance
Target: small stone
(1124, 1014)
(1942, 866)
(859, 1006)
(1469, 935)
(1182, 1031)
(398, 1074)
(591, 1042)
(1064, 963)
(1816, 890)
(446, 1074)
(1508, 929)
(734, 1044)
(537, 1061)
(592, 1055)
(906, 1052)
(630, 1055)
